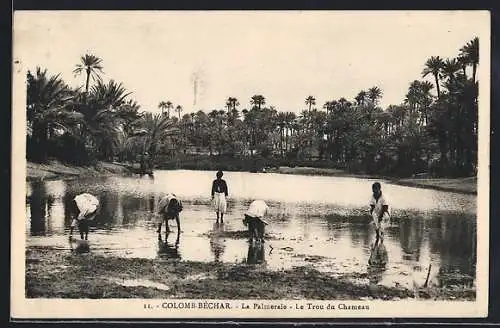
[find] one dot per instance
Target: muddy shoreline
(55, 273)
(55, 170)
(459, 185)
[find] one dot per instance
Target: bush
(65, 148)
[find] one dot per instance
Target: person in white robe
(84, 209)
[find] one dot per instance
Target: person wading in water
(379, 210)
(219, 194)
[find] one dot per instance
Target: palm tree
(361, 97)
(105, 133)
(290, 118)
(152, 130)
(374, 94)
(281, 123)
(470, 53)
(258, 101)
(91, 66)
(327, 106)
(462, 61)
(162, 105)
(109, 95)
(178, 109)
(433, 66)
(311, 101)
(450, 67)
(231, 104)
(169, 107)
(48, 99)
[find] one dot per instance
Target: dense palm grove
(429, 133)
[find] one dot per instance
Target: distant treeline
(429, 133)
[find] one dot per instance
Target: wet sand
(53, 273)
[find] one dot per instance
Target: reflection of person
(146, 166)
(377, 263)
(84, 208)
(217, 245)
(166, 250)
(254, 219)
(169, 208)
(219, 194)
(379, 210)
(256, 254)
(80, 247)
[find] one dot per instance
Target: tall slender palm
(470, 52)
(162, 105)
(178, 109)
(258, 101)
(91, 66)
(231, 104)
(433, 66)
(290, 118)
(169, 107)
(281, 122)
(310, 101)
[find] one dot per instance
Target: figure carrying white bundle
(254, 219)
(84, 208)
(169, 208)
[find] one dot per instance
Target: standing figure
(84, 208)
(254, 220)
(219, 194)
(379, 210)
(169, 208)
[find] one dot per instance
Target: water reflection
(256, 253)
(79, 246)
(377, 263)
(411, 235)
(217, 244)
(38, 208)
(343, 236)
(168, 250)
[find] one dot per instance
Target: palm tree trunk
(87, 82)
(40, 136)
(437, 85)
(286, 140)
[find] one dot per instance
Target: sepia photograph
(250, 164)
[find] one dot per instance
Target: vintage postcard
(250, 164)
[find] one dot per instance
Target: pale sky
(284, 56)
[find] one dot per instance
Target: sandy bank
(56, 170)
